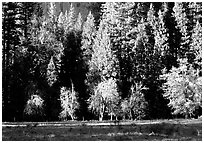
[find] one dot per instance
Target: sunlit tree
(183, 89)
(69, 103)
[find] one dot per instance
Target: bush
(34, 107)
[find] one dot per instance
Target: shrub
(34, 107)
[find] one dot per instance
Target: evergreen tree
(69, 19)
(117, 20)
(196, 46)
(102, 70)
(183, 25)
(78, 24)
(51, 72)
(174, 36)
(72, 62)
(10, 41)
(16, 39)
(88, 35)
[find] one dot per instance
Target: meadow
(152, 130)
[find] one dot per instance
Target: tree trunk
(111, 116)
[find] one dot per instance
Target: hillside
(80, 7)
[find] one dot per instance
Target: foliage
(103, 62)
(34, 106)
(183, 89)
(88, 35)
(196, 45)
(135, 106)
(51, 73)
(131, 43)
(78, 23)
(105, 98)
(69, 103)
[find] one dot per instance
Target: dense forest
(128, 60)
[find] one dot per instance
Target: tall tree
(16, 20)
(196, 46)
(51, 72)
(102, 72)
(174, 36)
(10, 41)
(69, 19)
(88, 35)
(78, 23)
(183, 25)
(116, 15)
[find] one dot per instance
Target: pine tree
(117, 20)
(196, 46)
(69, 19)
(10, 41)
(51, 72)
(174, 36)
(88, 35)
(78, 24)
(102, 72)
(16, 39)
(103, 61)
(61, 19)
(183, 25)
(52, 11)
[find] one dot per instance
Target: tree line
(139, 60)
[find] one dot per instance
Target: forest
(128, 60)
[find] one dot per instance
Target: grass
(94, 131)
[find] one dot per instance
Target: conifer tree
(69, 19)
(102, 72)
(51, 72)
(10, 42)
(88, 35)
(117, 19)
(61, 19)
(196, 46)
(174, 36)
(52, 12)
(183, 25)
(78, 24)
(103, 61)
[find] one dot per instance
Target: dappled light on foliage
(105, 61)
